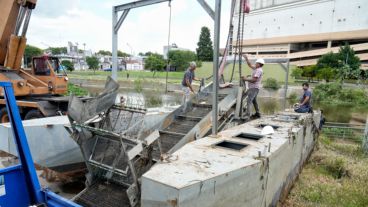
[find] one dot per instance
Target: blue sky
(54, 23)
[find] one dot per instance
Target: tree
(205, 49)
(344, 63)
(57, 50)
(351, 63)
(92, 63)
(123, 54)
(68, 65)
(180, 59)
(329, 60)
(296, 73)
(29, 52)
(154, 62)
(327, 66)
(147, 54)
(104, 52)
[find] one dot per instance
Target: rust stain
(173, 203)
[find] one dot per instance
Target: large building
(303, 30)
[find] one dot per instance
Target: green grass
(270, 71)
(76, 90)
(336, 175)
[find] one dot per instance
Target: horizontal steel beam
(137, 4)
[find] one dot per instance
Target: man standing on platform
(254, 85)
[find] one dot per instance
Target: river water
(156, 100)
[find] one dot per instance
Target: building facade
(303, 30)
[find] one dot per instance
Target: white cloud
(145, 29)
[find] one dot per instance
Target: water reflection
(156, 100)
(270, 106)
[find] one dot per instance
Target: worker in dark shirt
(304, 105)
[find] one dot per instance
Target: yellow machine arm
(15, 17)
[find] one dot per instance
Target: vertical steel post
(365, 137)
(286, 82)
(215, 66)
(114, 45)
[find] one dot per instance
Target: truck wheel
(4, 118)
(33, 114)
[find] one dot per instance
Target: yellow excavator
(39, 90)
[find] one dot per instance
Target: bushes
(326, 74)
(271, 83)
(293, 97)
(138, 85)
(333, 93)
(199, 63)
(297, 73)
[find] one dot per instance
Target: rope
(168, 47)
(228, 37)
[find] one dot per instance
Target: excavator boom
(15, 16)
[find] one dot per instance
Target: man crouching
(304, 105)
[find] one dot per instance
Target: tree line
(334, 66)
(177, 59)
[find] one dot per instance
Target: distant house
(106, 62)
(172, 47)
(134, 65)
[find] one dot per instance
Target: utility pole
(84, 55)
(131, 49)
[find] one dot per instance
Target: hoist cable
(168, 46)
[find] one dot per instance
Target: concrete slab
(201, 174)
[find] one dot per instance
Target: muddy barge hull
(234, 169)
(49, 142)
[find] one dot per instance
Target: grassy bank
(335, 93)
(270, 70)
(336, 175)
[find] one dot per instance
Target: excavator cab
(47, 69)
(45, 66)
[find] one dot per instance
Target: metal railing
(344, 130)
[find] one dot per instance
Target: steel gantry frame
(215, 15)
